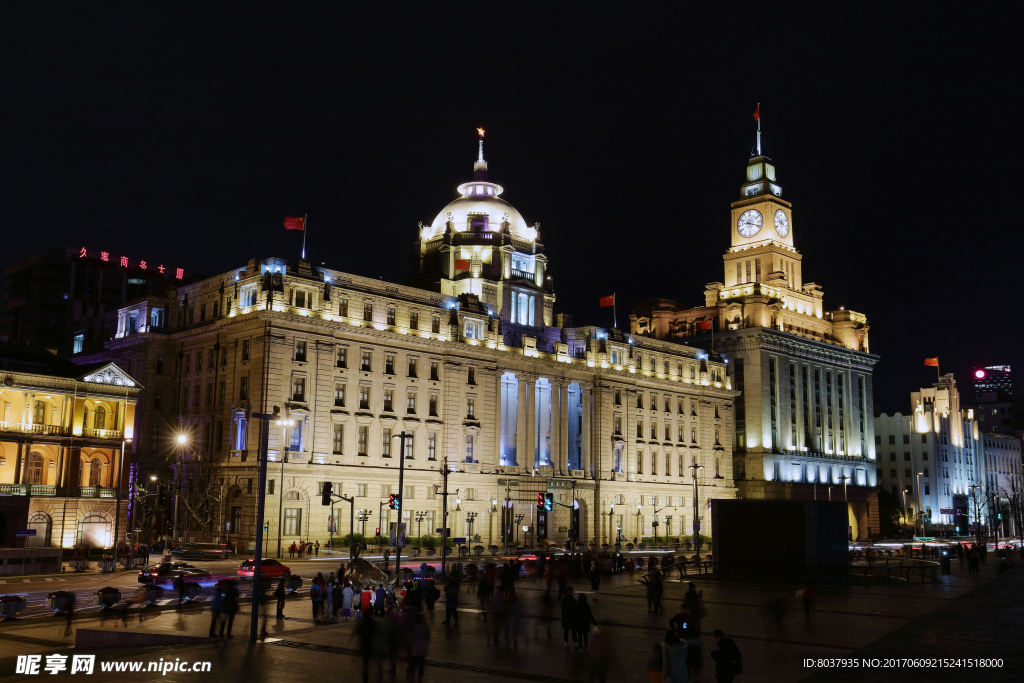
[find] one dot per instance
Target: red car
(268, 567)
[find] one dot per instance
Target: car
(162, 572)
(269, 567)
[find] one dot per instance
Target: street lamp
(470, 518)
(182, 439)
(117, 507)
(611, 522)
(639, 525)
(285, 425)
(420, 516)
(696, 506)
(920, 509)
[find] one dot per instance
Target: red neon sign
(125, 262)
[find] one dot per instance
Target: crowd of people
(304, 549)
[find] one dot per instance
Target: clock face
(749, 223)
(781, 223)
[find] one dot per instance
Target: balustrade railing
(26, 428)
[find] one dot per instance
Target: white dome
(480, 198)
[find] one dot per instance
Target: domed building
(481, 249)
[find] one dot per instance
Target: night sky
(186, 137)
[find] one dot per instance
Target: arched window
(94, 472)
(41, 522)
(100, 419)
(35, 469)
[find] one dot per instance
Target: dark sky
(187, 136)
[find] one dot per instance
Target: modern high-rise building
(472, 371)
(992, 379)
(803, 425)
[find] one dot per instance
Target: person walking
(216, 604)
(316, 594)
(693, 601)
(279, 594)
(316, 547)
(329, 606)
(654, 664)
(673, 660)
(419, 646)
(229, 607)
(583, 617)
(568, 616)
(179, 588)
(451, 604)
(728, 660)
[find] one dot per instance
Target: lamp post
(654, 523)
(285, 425)
(639, 525)
(668, 527)
(519, 518)
(363, 516)
(696, 506)
(920, 509)
(490, 526)
(904, 525)
(117, 506)
(611, 523)
(470, 518)
(977, 511)
(177, 489)
(420, 516)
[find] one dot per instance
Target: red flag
(932, 362)
(606, 301)
(462, 264)
(703, 325)
(757, 112)
(294, 222)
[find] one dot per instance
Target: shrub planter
(107, 597)
(293, 583)
(60, 601)
(478, 550)
(106, 565)
(431, 552)
(494, 549)
(79, 565)
(416, 550)
(152, 593)
(11, 605)
(192, 590)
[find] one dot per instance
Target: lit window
(79, 343)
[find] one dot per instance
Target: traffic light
(549, 502)
(398, 501)
(541, 505)
(326, 494)
(378, 531)
(391, 502)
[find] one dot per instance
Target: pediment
(110, 374)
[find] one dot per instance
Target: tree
(888, 514)
(1015, 506)
(201, 497)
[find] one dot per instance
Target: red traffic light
(540, 500)
(378, 531)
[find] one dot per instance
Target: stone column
(19, 463)
(58, 473)
(588, 467)
(531, 422)
(557, 417)
(524, 386)
(115, 467)
(563, 427)
(498, 412)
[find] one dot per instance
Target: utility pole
(398, 525)
(696, 507)
(284, 425)
(257, 568)
(506, 514)
(444, 516)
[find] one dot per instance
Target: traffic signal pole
(398, 525)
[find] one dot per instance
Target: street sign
(21, 533)
(945, 511)
(459, 541)
(447, 532)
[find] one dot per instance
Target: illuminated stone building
(803, 425)
(62, 429)
(474, 366)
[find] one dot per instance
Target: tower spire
(757, 117)
(480, 167)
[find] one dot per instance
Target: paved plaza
(958, 616)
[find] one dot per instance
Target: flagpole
(305, 220)
(758, 129)
(615, 318)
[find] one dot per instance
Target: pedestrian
(316, 547)
(329, 606)
(693, 601)
(583, 617)
(654, 664)
(309, 549)
(380, 600)
(216, 604)
(673, 660)
(365, 600)
(179, 587)
(316, 596)
(301, 548)
(337, 600)
(568, 616)
(431, 594)
(419, 646)
(229, 607)
(346, 601)
(451, 602)
(279, 594)
(728, 660)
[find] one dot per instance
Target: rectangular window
(342, 360)
(159, 365)
(408, 447)
(432, 405)
(156, 399)
(385, 444)
(392, 315)
(209, 394)
(639, 429)
(298, 388)
(364, 439)
(343, 308)
(469, 448)
(245, 349)
(361, 490)
(432, 446)
(368, 310)
(435, 324)
(693, 436)
(339, 395)
(366, 362)
(434, 376)
(270, 487)
(389, 363)
(339, 439)
(470, 409)
(640, 462)
(412, 367)
(300, 351)
(389, 400)
(414, 320)
(410, 402)
(199, 361)
(292, 521)
(471, 376)
(618, 425)
(906, 439)
(364, 398)
(473, 329)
